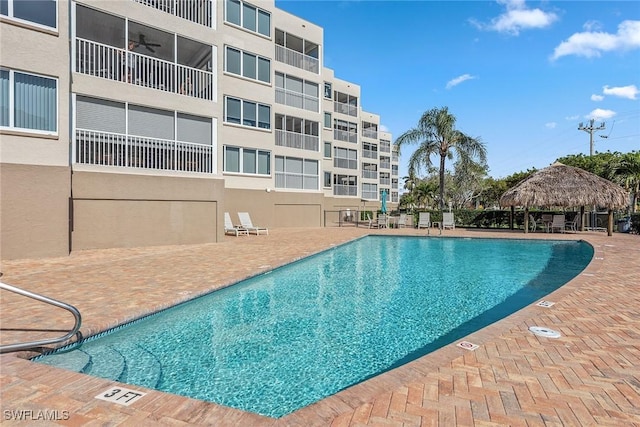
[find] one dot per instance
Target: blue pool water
(287, 338)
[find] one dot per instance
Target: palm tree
(626, 171)
(436, 134)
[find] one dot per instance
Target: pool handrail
(34, 344)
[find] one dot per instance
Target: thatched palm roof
(567, 186)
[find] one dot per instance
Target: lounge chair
(229, 228)
(245, 221)
(372, 223)
(557, 223)
(424, 220)
(402, 220)
(448, 221)
(533, 225)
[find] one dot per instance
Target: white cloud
(592, 43)
(551, 125)
(454, 82)
(383, 128)
(629, 92)
(600, 114)
(595, 97)
(516, 18)
(592, 26)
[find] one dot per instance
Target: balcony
(370, 133)
(297, 59)
(369, 154)
(343, 135)
(385, 146)
(385, 181)
(297, 140)
(118, 150)
(297, 100)
(369, 174)
(340, 107)
(198, 11)
(341, 162)
(385, 164)
(296, 181)
(108, 62)
(345, 190)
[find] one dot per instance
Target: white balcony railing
(297, 140)
(298, 100)
(385, 181)
(345, 190)
(394, 170)
(297, 59)
(198, 11)
(385, 147)
(341, 107)
(100, 60)
(343, 135)
(385, 165)
(369, 154)
(369, 133)
(370, 195)
(369, 174)
(340, 162)
(296, 181)
(112, 149)
(394, 157)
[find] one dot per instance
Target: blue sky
(519, 75)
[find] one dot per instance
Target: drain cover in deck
(544, 332)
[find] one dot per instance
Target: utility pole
(590, 129)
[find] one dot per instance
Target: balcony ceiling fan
(142, 41)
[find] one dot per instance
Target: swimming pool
(284, 339)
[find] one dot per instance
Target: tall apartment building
(139, 122)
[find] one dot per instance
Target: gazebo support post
(610, 223)
(526, 219)
(581, 218)
(512, 215)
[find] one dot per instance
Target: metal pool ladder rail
(33, 344)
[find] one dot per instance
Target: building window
(327, 180)
(247, 161)
(248, 17)
(247, 65)
(327, 149)
(28, 101)
(247, 113)
(41, 12)
(296, 173)
(327, 120)
(327, 90)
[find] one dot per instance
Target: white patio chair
(245, 221)
(229, 228)
(448, 220)
(424, 220)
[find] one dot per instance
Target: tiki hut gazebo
(566, 186)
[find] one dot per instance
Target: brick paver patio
(589, 376)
